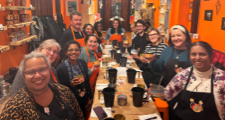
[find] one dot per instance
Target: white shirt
(202, 82)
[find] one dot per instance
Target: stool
(162, 107)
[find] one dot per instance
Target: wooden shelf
(17, 8)
(4, 48)
(24, 24)
(23, 41)
(4, 28)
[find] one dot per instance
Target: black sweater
(67, 36)
(64, 78)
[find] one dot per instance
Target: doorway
(113, 8)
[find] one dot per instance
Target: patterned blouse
(177, 84)
(22, 105)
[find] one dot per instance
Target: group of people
(194, 88)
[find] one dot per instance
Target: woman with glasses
(73, 73)
(39, 99)
(50, 48)
(155, 47)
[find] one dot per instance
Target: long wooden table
(129, 111)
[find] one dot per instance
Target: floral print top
(178, 83)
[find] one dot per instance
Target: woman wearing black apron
(154, 47)
(196, 91)
(173, 58)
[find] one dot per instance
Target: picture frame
(71, 5)
(208, 15)
(223, 23)
(191, 5)
(189, 16)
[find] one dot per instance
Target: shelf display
(24, 17)
(24, 24)
(4, 48)
(23, 41)
(16, 36)
(17, 8)
(9, 2)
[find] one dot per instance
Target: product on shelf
(15, 21)
(9, 17)
(9, 22)
(24, 17)
(9, 2)
(23, 3)
(19, 35)
(15, 17)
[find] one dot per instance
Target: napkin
(144, 117)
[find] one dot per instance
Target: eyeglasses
(49, 50)
(33, 72)
(71, 50)
(151, 35)
(139, 26)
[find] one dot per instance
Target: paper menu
(121, 71)
(144, 117)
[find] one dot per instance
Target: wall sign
(208, 15)
(71, 5)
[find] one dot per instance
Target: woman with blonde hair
(50, 48)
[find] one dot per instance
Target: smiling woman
(73, 73)
(198, 90)
(58, 103)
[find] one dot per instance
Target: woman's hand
(150, 90)
(144, 60)
(135, 56)
(89, 104)
(100, 59)
(94, 68)
(152, 58)
(129, 57)
(74, 82)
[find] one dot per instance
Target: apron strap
(87, 54)
(74, 37)
(189, 77)
(53, 76)
(212, 78)
(96, 34)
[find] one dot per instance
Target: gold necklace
(177, 57)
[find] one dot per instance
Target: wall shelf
(4, 48)
(24, 24)
(4, 28)
(23, 41)
(17, 8)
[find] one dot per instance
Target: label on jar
(133, 51)
(1, 27)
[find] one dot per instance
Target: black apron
(188, 101)
(170, 69)
(65, 113)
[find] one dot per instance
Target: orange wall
(210, 31)
(179, 12)
(11, 58)
(63, 10)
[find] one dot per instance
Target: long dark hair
(187, 41)
(119, 29)
(86, 25)
(96, 26)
